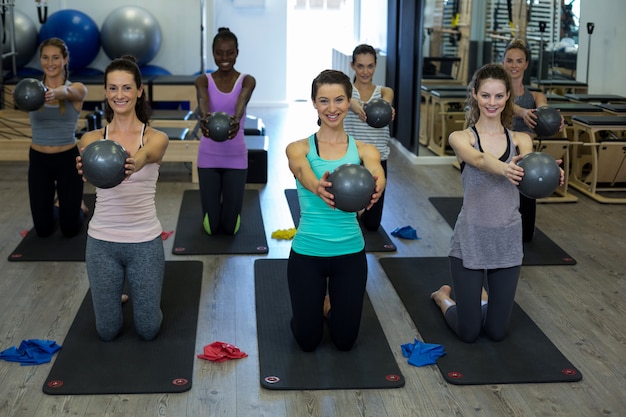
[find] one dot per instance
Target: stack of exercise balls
(127, 30)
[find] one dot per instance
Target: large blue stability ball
(378, 113)
(25, 42)
(541, 175)
(29, 94)
(352, 186)
(548, 121)
(219, 125)
(103, 163)
(131, 30)
(79, 32)
(152, 70)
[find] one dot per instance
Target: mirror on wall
(445, 32)
(551, 26)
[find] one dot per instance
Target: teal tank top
(324, 231)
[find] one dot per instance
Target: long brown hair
(493, 72)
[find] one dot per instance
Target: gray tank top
(488, 230)
(526, 101)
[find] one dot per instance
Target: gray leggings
(468, 317)
(143, 265)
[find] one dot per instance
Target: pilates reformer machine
(599, 157)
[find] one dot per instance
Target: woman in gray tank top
(516, 59)
(487, 239)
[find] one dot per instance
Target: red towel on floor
(221, 351)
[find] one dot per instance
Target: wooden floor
(581, 308)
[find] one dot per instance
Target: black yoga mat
(284, 366)
(526, 355)
(191, 239)
(128, 365)
(375, 241)
(55, 247)
(541, 250)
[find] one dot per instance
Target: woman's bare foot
(326, 306)
(441, 297)
(124, 298)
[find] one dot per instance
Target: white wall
(608, 57)
(262, 35)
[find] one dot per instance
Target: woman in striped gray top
(364, 91)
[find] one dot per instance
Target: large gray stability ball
(25, 41)
(131, 30)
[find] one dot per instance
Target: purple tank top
(231, 153)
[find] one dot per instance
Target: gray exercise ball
(25, 41)
(131, 30)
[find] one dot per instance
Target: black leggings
(221, 191)
(309, 277)
(55, 173)
(371, 218)
(468, 317)
(528, 210)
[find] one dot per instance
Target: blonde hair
(518, 44)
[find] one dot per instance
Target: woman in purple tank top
(223, 165)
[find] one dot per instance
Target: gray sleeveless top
(526, 101)
(488, 230)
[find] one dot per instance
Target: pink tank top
(127, 213)
(231, 153)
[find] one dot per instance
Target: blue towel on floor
(420, 353)
(31, 352)
(406, 232)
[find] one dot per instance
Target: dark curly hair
(225, 34)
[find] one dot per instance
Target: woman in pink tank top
(124, 237)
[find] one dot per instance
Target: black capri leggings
(221, 191)
(468, 317)
(371, 218)
(309, 277)
(50, 173)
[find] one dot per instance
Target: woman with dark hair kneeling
(327, 265)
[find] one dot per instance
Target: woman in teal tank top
(327, 262)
